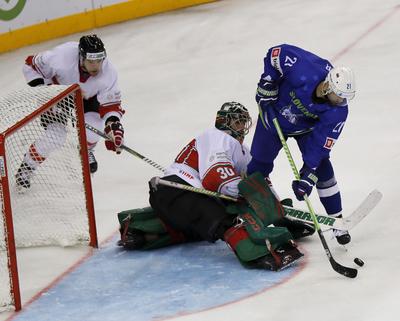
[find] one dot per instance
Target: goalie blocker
(179, 216)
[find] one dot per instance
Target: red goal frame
(7, 209)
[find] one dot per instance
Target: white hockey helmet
(341, 82)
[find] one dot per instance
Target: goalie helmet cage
(56, 206)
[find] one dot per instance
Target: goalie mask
(234, 119)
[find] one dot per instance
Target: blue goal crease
(115, 284)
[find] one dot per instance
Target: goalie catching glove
(115, 132)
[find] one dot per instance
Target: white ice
(177, 68)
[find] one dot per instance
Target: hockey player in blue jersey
(309, 97)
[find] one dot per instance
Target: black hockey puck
(358, 261)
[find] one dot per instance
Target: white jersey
(61, 66)
(214, 161)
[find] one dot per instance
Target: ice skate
(342, 237)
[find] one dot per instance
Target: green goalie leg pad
(143, 219)
(162, 241)
(278, 236)
(245, 249)
(257, 193)
(248, 240)
(258, 233)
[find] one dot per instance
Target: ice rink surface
(175, 70)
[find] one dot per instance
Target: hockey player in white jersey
(86, 64)
(215, 160)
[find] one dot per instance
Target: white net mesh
(45, 176)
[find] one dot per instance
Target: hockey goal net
(52, 204)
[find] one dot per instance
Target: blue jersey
(287, 91)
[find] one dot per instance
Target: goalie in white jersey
(215, 160)
(84, 63)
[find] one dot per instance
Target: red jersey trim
(218, 175)
(189, 156)
(109, 107)
(30, 61)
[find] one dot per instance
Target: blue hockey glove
(304, 186)
(267, 92)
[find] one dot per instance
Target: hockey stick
(126, 148)
(159, 181)
(330, 222)
(346, 271)
(363, 209)
(294, 214)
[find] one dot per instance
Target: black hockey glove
(36, 82)
(304, 186)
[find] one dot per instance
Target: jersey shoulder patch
(329, 142)
(275, 56)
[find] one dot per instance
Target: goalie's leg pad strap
(278, 236)
(258, 233)
(258, 194)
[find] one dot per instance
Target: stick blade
(363, 209)
(344, 270)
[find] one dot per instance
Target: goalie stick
(346, 271)
(325, 221)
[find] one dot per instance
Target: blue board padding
(115, 284)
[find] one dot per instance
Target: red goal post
(57, 207)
